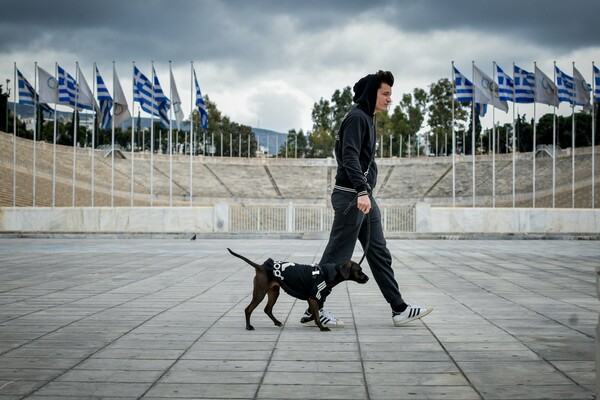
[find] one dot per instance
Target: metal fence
(293, 218)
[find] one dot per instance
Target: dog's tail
(255, 265)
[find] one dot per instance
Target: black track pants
(346, 229)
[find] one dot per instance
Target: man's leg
(380, 261)
(379, 257)
(342, 240)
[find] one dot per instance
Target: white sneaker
(410, 314)
(327, 319)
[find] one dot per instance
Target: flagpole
(514, 149)
(554, 147)
(54, 142)
(15, 135)
(94, 87)
(494, 142)
(191, 126)
(35, 126)
(152, 143)
(534, 143)
(473, 133)
(170, 140)
(75, 123)
(112, 145)
(132, 129)
(453, 141)
(573, 146)
(593, 137)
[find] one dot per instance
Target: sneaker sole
(312, 324)
(404, 321)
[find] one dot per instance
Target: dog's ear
(344, 269)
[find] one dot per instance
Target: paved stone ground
(163, 319)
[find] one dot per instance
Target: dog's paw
(278, 324)
(324, 329)
(249, 328)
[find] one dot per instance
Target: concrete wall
(429, 220)
(506, 220)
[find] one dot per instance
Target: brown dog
(304, 282)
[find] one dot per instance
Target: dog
(304, 282)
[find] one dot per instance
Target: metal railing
(291, 218)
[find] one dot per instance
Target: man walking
(357, 215)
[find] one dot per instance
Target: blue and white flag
(565, 85)
(546, 91)
(68, 91)
(106, 102)
(161, 101)
(200, 104)
(581, 92)
(506, 85)
(464, 87)
(596, 83)
(142, 91)
(152, 99)
(27, 94)
(524, 86)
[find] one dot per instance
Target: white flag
(546, 91)
(121, 109)
(85, 97)
(582, 90)
(48, 87)
(486, 90)
(176, 101)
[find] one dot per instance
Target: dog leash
(353, 203)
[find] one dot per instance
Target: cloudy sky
(266, 62)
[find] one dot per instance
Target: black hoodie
(356, 141)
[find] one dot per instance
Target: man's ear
(344, 269)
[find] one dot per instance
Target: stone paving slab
(103, 318)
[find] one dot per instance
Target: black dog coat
(298, 280)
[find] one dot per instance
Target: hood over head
(365, 90)
(365, 93)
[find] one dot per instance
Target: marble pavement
(103, 318)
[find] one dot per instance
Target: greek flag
(142, 91)
(200, 104)
(565, 85)
(162, 103)
(505, 85)
(106, 102)
(151, 98)
(596, 83)
(524, 86)
(464, 87)
(27, 94)
(68, 90)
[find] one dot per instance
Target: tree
(413, 106)
(295, 145)
(321, 144)
(440, 115)
(341, 104)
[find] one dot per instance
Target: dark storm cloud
(252, 30)
(551, 23)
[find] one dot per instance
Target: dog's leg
(313, 305)
(273, 296)
(258, 294)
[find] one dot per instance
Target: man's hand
(364, 204)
